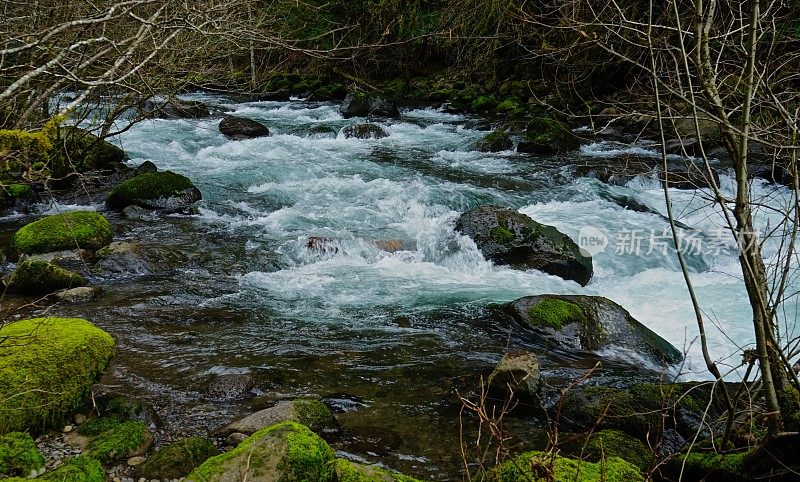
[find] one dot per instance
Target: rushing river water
(386, 338)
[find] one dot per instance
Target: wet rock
(517, 373)
(494, 142)
(178, 459)
(363, 105)
(34, 277)
(511, 238)
(577, 322)
(125, 257)
(78, 295)
(545, 136)
(145, 167)
(692, 178)
(394, 245)
(155, 190)
(266, 456)
(230, 386)
(87, 230)
(138, 212)
(239, 128)
(364, 131)
(322, 244)
(122, 407)
(74, 260)
(309, 412)
(688, 146)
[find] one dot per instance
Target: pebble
(134, 461)
(68, 429)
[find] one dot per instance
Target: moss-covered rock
(495, 142)
(77, 229)
(639, 411)
(713, 467)
(511, 238)
(578, 322)
(615, 443)
(12, 194)
(347, 471)
(154, 190)
(364, 131)
(539, 466)
(82, 151)
(47, 368)
(547, 136)
(19, 455)
(310, 412)
(178, 459)
(121, 407)
(35, 276)
(121, 441)
(286, 452)
(517, 374)
(77, 469)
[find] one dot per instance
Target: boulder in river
(132, 258)
(286, 451)
(545, 136)
(310, 412)
(76, 229)
(174, 108)
(361, 105)
(511, 238)
(592, 323)
(77, 295)
(517, 373)
(35, 277)
(47, 377)
(230, 386)
(239, 128)
(364, 131)
(155, 190)
(495, 141)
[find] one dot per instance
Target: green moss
(615, 443)
(47, 368)
(95, 426)
(494, 142)
(77, 229)
(313, 413)
(347, 471)
(19, 455)
(178, 459)
(287, 448)
(502, 235)
(550, 135)
(151, 185)
(20, 191)
(119, 442)
(484, 103)
(35, 276)
(82, 151)
(77, 469)
(539, 466)
(554, 313)
(789, 401)
(713, 466)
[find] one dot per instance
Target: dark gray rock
(230, 386)
(131, 258)
(364, 131)
(494, 142)
(363, 105)
(173, 108)
(511, 238)
(239, 128)
(312, 413)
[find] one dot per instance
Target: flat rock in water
(230, 386)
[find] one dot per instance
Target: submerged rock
(494, 142)
(46, 377)
(230, 386)
(35, 276)
(511, 238)
(286, 451)
(72, 230)
(155, 190)
(364, 131)
(178, 459)
(239, 128)
(692, 178)
(590, 323)
(125, 257)
(312, 413)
